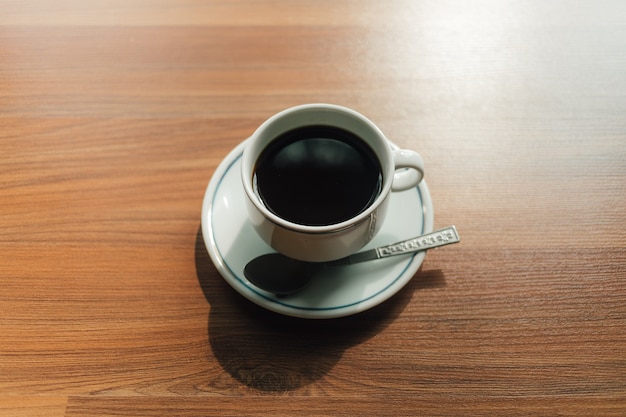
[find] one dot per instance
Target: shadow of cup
(270, 352)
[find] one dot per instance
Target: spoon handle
(442, 237)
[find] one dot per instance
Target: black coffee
(318, 175)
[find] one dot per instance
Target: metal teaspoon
(281, 275)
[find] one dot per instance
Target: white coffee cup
(401, 170)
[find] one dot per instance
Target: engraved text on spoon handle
(435, 239)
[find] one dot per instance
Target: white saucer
(232, 242)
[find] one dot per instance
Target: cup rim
(246, 173)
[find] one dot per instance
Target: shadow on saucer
(275, 353)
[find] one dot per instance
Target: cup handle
(409, 169)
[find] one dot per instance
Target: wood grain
(114, 116)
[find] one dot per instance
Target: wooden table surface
(114, 115)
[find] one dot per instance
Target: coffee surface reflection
(318, 175)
